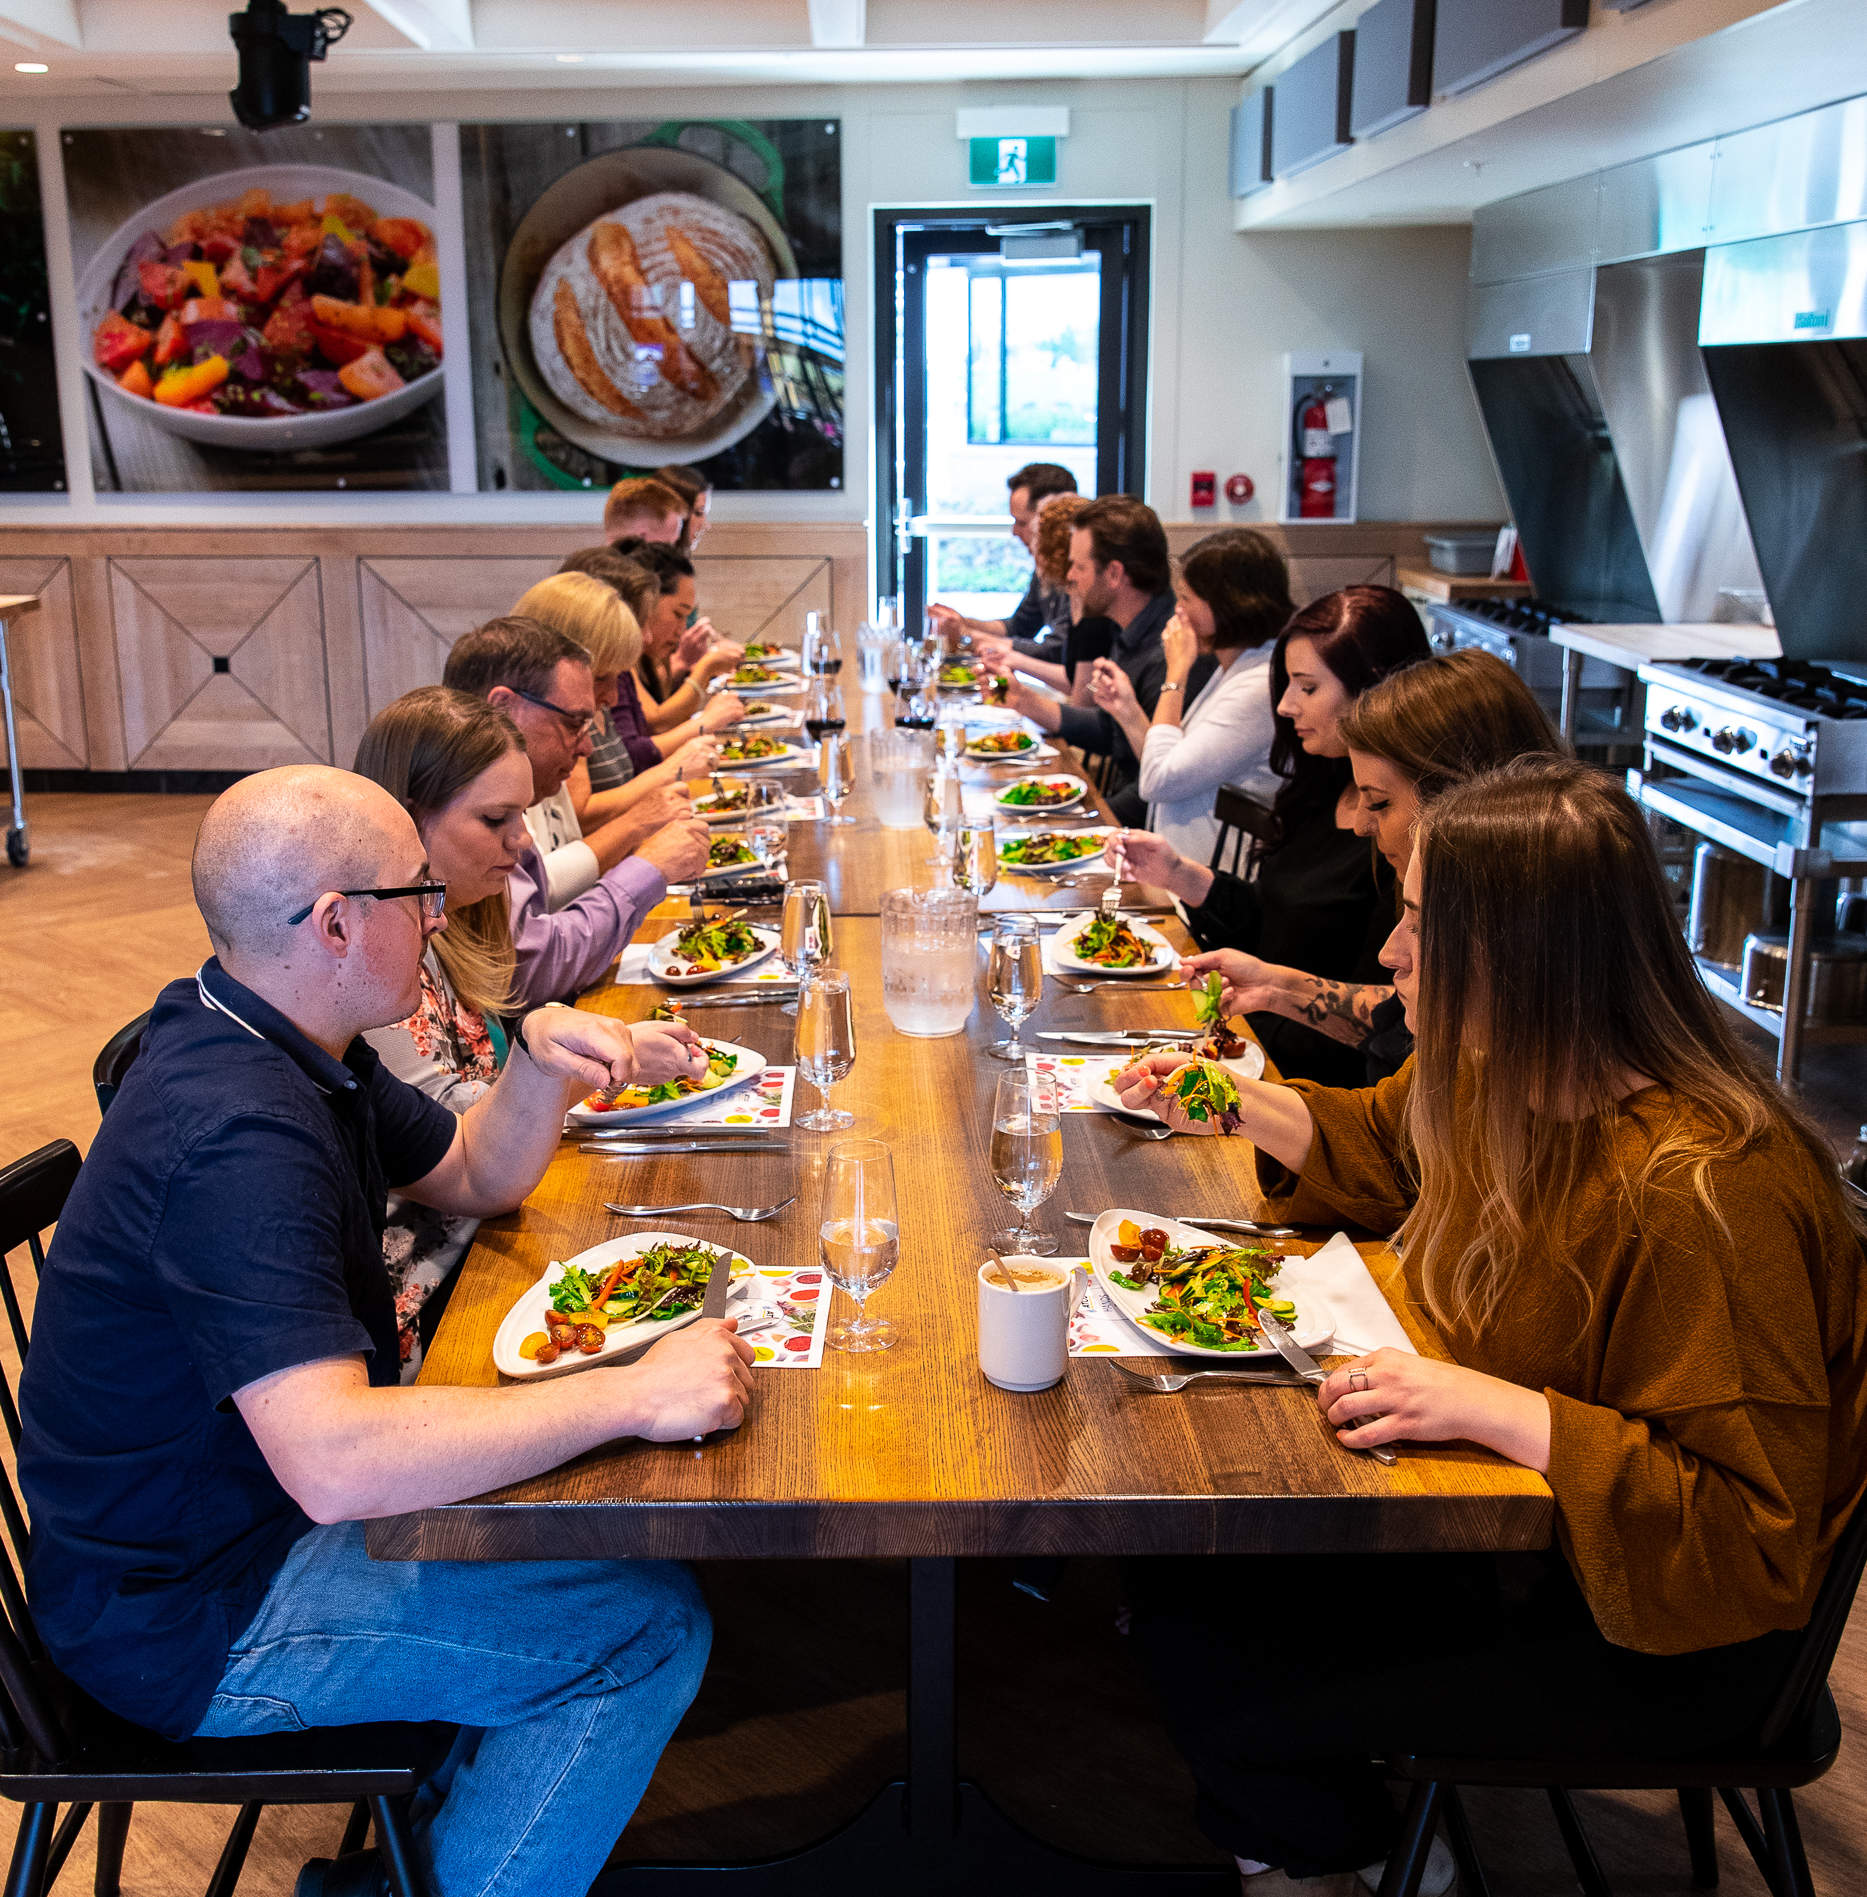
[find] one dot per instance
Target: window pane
(985, 358)
(1052, 325)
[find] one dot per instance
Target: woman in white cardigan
(1233, 593)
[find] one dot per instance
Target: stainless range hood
(1671, 357)
(1784, 338)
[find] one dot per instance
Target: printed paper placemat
(764, 1103)
(1076, 1073)
(798, 1302)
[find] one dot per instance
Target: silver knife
(619, 1151)
(1277, 1333)
(1127, 1037)
(1252, 1226)
(763, 999)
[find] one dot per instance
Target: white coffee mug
(1024, 1335)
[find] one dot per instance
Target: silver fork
(1133, 987)
(745, 1214)
(1111, 896)
(1167, 1382)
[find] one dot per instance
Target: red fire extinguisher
(1315, 458)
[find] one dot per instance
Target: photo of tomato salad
(258, 308)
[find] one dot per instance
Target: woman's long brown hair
(424, 750)
(1445, 718)
(1551, 967)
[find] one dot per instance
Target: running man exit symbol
(1009, 163)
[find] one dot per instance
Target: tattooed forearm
(1343, 1010)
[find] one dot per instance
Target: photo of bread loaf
(633, 317)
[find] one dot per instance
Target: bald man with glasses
(212, 1406)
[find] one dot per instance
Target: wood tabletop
(910, 1451)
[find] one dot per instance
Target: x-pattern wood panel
(42, 648)
(763, 597)
(414, 610)
(222, 662)
(1311, 579)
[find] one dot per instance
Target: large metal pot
(1837, 976)
(1728, 895)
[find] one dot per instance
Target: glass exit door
(1001, 342)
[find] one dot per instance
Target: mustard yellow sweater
(1707, 1440)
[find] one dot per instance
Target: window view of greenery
(1042, 377)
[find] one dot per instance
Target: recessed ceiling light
(30, 65)
(569, 59)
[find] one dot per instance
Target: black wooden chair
(1793, 1746)
(57, 1747)
(114, 1058)
(1240, 816)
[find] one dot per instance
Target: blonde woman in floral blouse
(459, 769)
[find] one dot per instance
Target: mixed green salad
(707, 947)
(726, 852)
(1051, 846)
(1038, 793)
(633, 1284)
(1208, 1295)
(1110, 942)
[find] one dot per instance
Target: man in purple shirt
(541, 680)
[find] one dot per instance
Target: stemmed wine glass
(1027, 1154)
(833, 774)
(943, 811)
(1014, 978)
(804, 934)
(765, 823)
(825, 1044)
(858, 1236)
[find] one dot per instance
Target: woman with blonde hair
(581, 832)
(1433, 724)
(1637, 1252)
(458, 767)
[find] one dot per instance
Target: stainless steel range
(1768, 759)
(1517, 631)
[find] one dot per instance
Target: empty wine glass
(804, 932)
(825, 1044)
(1014, 978)
(975, 858)
(943, 811)
(833, 773)
(765, 824)
(1027, 1154)
(858, 1235)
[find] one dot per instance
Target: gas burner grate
(1798, 683)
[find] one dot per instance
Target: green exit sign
(1009, 162)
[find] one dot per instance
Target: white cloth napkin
(1364, 1320)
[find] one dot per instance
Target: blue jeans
(567, 1676)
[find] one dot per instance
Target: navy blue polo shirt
(227, 1225)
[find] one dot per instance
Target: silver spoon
(745, 1214)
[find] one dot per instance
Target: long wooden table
(910, 1452)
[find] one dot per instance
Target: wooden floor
(800, 1718)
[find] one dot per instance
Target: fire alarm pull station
(1239, 488)
(1205, 489)
(1322, 401)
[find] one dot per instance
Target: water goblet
(975, 858)
(804, 931)
(1026, 1154)
(833, 774)
(858, 1235)
(825, 1044)
(1014, 978)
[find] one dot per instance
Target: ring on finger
(1358, 1386)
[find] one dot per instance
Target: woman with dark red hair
(1315, 897)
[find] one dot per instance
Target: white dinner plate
(1165, 954)
(1094, 857)
(665, 965)
(784, 658)
(776, 715)
(1247, 1066)
(787, 753)
(735, 813)
(780, 687)
(751, 1065)
(1040, 811)
(757, 867)
(1315, 1322)
(528, 1310)
(1036, 752)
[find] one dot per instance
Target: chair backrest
(1833, 1603)
(33, 1192)
(113, 1060)
(1240, 815)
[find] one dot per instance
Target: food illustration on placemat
(632, 320)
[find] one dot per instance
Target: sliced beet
(179, 254)
(218, 337)
(333, 271)
(146, 249)
(322, 382)
(261, 233)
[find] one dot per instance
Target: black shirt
(1322, 901)
(1040, 620)
(1136, 648)
(227, 1225)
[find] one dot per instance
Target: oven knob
(1442, 641)
(1729, 738)
(1791, 761)
(1678, 718)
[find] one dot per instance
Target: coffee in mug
(1024, 1334)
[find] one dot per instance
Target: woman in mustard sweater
(1637, 1252)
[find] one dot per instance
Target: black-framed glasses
(433, 900)
(578, 723)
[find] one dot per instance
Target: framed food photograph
(645, 293)
(258, 314)
(32, 447)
